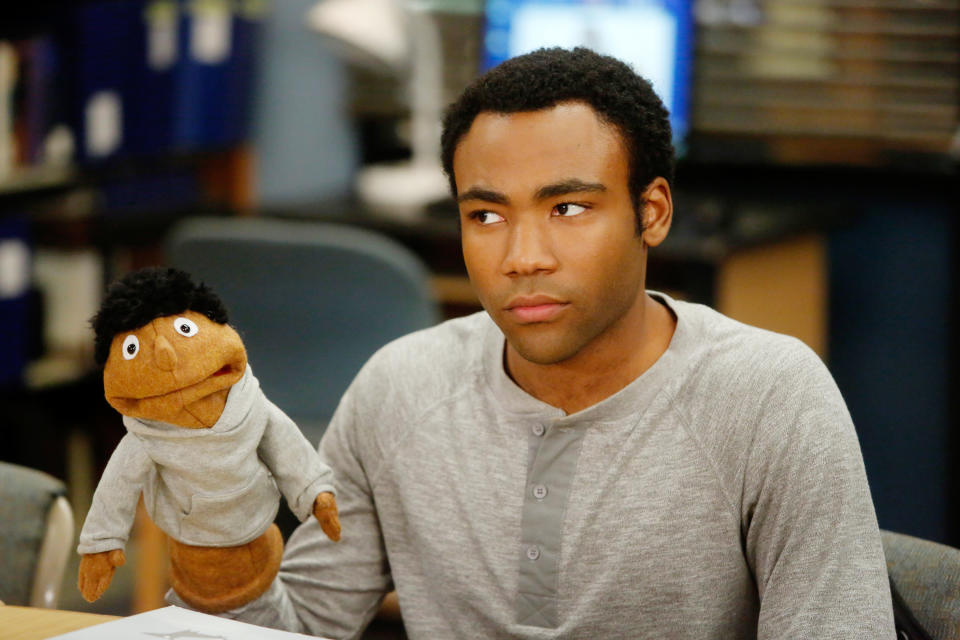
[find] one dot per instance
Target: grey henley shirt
(721, 494)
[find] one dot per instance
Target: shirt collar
(631, 400)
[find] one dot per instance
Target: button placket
(554, 449)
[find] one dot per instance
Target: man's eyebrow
(563, 187)
(487, 195)
(571, 185)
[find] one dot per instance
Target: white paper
(174, 623)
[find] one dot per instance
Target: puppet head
(166, 349)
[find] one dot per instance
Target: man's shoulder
(745, 388)
(722, 345)
(737, 374)
(451, 340)
(444, 354)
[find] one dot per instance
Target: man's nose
(163, 354)
(529, 250)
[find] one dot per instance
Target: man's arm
(326, 588)
(810, 528)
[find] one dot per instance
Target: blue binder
(105, 37)
(153, 86)
(38, 95)
(215, 72)
(15, 266)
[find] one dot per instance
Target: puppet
(210, 454)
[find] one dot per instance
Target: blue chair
(36, 536)
(312, 301)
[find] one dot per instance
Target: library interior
(287, 153)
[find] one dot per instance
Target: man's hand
(325, 511)
(96, 572)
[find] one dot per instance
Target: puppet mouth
(192, 391)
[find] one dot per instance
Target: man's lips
(540, 308)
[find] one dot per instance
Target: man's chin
(541, 350)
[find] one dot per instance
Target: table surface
(31, 623)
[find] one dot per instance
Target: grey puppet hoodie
(207, 487)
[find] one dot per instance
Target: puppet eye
(131, 347)
(185, 327)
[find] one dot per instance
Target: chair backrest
(36, 536)
(312, 301)
(927, 576)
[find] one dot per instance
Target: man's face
(548, 227)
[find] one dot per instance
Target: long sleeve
(294, 463)
(326, 588)
(114, 505)
(811, 532)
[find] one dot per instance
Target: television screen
(652, 36)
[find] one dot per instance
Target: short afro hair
(547, 77)
(147, 294)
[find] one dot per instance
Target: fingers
(325, 511)
(96, 572)
(116, 557)
(92, 584)
(330, 523)
(101, 585)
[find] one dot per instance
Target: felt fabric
(176, 369)
(207, 487)
(215, 579)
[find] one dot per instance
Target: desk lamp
(401, 38)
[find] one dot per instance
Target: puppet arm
(107, 526)
(305, 481)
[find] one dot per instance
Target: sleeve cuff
(99, 546)
(303, 508)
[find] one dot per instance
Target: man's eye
(185, 327)
(568, 209)
(486, 217)
(131, 347)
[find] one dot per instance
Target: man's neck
(602, 368)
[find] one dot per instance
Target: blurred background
(817, 188)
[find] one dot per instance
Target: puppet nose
(164, 355)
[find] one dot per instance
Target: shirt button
(539, 492)
(539, 430)
(533, 552)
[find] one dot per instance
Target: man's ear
(657, 212)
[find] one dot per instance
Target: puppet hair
(147, 294)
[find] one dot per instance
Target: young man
(585, 459)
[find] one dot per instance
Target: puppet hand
(325, 510)
(96, 572)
